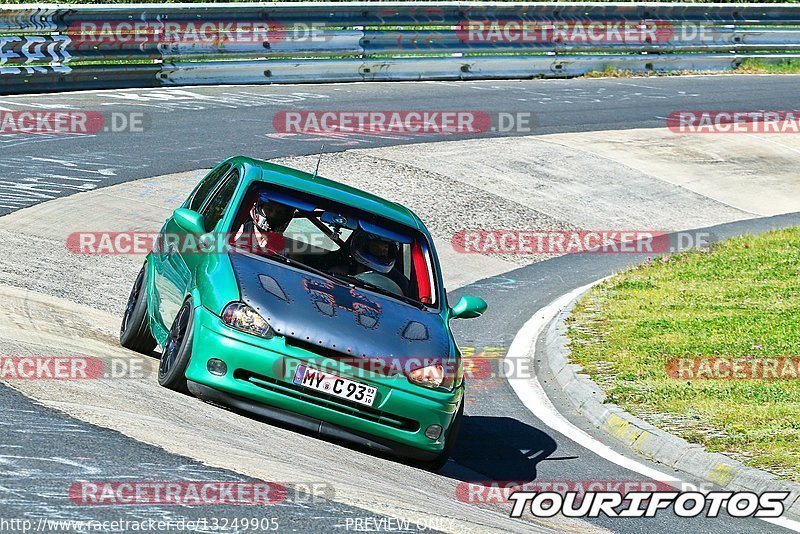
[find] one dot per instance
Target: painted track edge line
(532, 395)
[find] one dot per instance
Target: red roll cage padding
(421, 273)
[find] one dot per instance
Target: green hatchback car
(305, 301)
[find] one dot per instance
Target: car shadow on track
(500, 449)
(488, 448)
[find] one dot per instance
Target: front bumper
(259, 379)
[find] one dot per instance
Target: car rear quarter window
(206, 186)
(215, 208)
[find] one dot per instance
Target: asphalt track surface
(44, 453)
(194, 128)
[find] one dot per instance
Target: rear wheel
(449, 442)
(134, 333)
(177, 350)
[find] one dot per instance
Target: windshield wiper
(359, 282)
(348, 279)
(301, 265)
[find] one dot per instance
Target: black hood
(334, 316)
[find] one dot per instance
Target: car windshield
(336, 241)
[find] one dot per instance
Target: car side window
(206, 186)
(215, 208)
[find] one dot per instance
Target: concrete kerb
(647, 440)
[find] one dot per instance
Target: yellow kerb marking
(722, 474)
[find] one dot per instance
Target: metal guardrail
(64, 47)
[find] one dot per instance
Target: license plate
(335, 385)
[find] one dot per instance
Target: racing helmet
(271, 216)
(373, 251)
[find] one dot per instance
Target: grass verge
(739, 299)
(748, 66)
(757, 66)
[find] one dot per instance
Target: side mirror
(468, 308)
(189, 220)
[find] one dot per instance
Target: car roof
(329, 189)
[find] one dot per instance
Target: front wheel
(134, 333)
(177, 350)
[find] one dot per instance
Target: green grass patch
(738, 299)
(758, 66)
(609, 71)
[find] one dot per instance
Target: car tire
(177, 350)
(449, 442)
(134, 332)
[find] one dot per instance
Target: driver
(264, 230)
(373, 252)
(375, 257)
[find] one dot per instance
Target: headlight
(434, 376)
(242, 317)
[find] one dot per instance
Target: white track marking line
(533, 396)
(761, 137)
